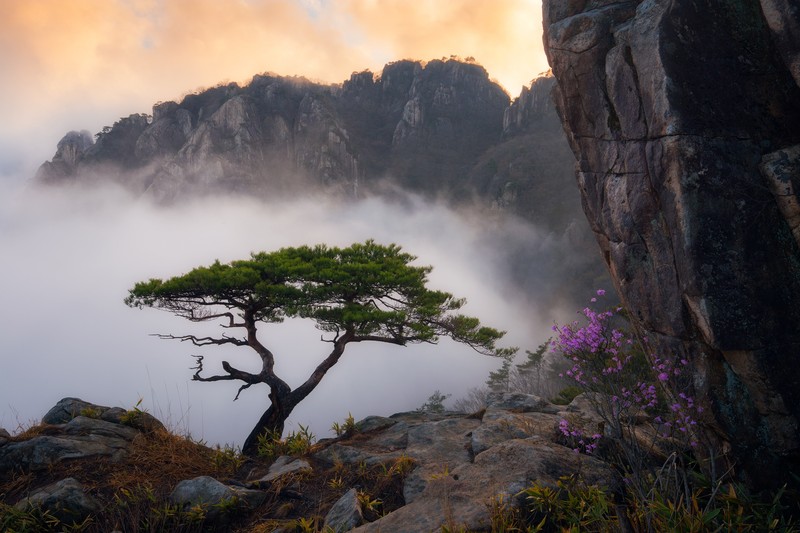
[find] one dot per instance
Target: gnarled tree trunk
(271, 421)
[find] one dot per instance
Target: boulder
(518, 402)
(283, 466)
(436, 447)
(372, 423)
(214, 496)
(39, 453)
(69, 408)
(65, 500)
(345, 514)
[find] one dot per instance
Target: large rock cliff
(684, 116)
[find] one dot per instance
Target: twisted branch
(203, 341)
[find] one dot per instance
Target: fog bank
(69, 257)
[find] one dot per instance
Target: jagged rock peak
(278, 134)
(533, 104)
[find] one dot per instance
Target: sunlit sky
(82, 64)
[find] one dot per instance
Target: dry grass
(134, 491)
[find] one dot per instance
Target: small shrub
(571, 506)
(336, 483)
(566, 395)
(402, 466)
(226, 458)
(90, 412)
(271, 446)
(505, 518)
(348, 427)
(133, 416)
(434, 403)
(371, 507)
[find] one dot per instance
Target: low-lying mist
(70, 256)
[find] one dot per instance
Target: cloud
(70, 256)
(505, 37)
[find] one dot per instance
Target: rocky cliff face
(684, 116)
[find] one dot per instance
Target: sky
(83, 64)
(69, 256)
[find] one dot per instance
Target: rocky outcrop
(217, 497)
(454, 466)
(532, 107)
(673, 110)
(440, 129)
(283, 466)
(76, 430)
(69, 152)
(783, 19)
(458, 496)
(459, 460)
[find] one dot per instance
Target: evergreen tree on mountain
(364, 292)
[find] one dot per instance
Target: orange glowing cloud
(503, 36)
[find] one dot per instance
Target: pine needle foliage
(366, 292)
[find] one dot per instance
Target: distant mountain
(440, 129)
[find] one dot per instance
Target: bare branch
(201, 316)
(198, 368)
(333, 340)
(203, 341)
(243, 387)
(233, 373)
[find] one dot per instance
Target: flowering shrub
(577, 437)
(630, 386)
(622, 379)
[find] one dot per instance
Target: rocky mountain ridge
(423, 127)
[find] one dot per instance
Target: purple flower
(601, 292)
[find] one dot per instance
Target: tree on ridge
(364, 292)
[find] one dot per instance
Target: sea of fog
(68, 258)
